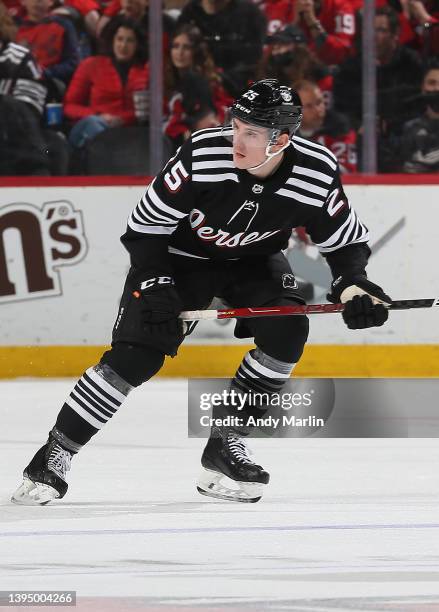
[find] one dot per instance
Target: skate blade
(214, 484)
(34, 494)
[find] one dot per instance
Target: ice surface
(344, 525)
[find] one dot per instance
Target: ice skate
(228, 472)
(44, 479)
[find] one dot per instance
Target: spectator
(138, 11)
(327, 127)
(418, 21)
(27, 149)
(51, 38)
(82, 12)
(15, 8)
(416, 18)
(329, 26)
(21, 103)
(195, 96)
(420, 137)
(278, 13)
(289, 59)
(235, 32)
(100, 94)
(399, 72)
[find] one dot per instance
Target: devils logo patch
(289, 281)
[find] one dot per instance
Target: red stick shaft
(276, 311)
(279, 311)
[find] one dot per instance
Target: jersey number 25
(176, 176)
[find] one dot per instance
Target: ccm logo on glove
(157, 280)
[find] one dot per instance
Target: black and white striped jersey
(21, 77)
(201, 206)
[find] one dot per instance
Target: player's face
(124, 45)
(182, 54)
(313, 108)
(249, 144)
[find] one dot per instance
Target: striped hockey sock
(258, 378)
(94, 400)
(261, 373)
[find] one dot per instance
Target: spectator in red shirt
(51, 39)
(195, 96)
(278, 13)
(327, 127)
(15, 8)
(329, 26)
(420, 25)
(100, 95)
(88, 10)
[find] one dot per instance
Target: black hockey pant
(258, 281)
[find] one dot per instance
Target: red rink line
(390, 179)
(109, 181)
(73, 181)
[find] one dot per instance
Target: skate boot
(44, 479)
(228, 472)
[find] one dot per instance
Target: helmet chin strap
(269, 155)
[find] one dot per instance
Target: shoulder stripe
(317, 155)
(213, 151)
(214, 178)
(315, 145)
(308, 187)
(209, 165)
(206, 130)
(295, 195)
(315, 174)
(215, 134)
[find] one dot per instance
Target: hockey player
(213, 223)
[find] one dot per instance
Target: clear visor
(246, 136)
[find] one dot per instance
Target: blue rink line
(5, 534)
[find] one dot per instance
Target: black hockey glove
(160, 306)
(160, 300)
(365, 301)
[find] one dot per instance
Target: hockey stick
(281, 311)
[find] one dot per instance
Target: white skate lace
(59, 461)
(238, 448)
